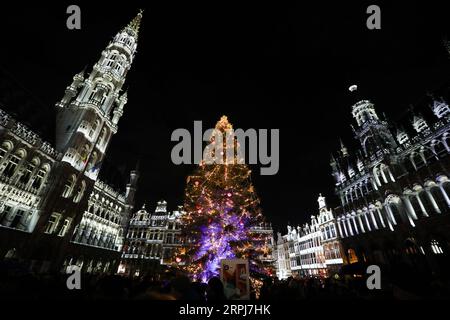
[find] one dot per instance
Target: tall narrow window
(39, 178)
(66, 225)
(103, 137)
(29, 168)
(52, 223)
(80, 192)
(11, 166)
(436, 247)
(93, 128)
(67, 190)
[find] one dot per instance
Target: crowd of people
(176, 286)
(167, 286)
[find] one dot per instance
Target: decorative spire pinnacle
(135, 24)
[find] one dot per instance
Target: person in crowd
(215, 291)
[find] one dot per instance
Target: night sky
(263, 66)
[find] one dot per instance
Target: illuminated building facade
(395, 190)
(332, 249)
(151, 241)
(311, 250)
(54, 211)
(282, 257)
(306, 250)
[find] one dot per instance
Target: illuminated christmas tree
(222, 210)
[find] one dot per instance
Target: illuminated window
(39, 178)
(52, 223)
(352, 256)
(65, 227)
(80, 192)
(67, 191)
(436, 247)
(110, 60)
(27, 173)
(103, 137)
(11, 166)
(94, 128)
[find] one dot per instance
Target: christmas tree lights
(222, 212)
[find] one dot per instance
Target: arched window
(103, 137)
(40, 176)
(436, 247)
(28, 170)
(439, 198)
(80, 192)
(120, 65)
(396, 208)
(446, 188)
(94, 128)
(68, 187)
(426, 202)
(109, 61)
(415, 204)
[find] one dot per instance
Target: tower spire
(135, 24)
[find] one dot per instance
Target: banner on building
(235, 276)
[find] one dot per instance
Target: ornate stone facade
(54, 211)
(395, 190)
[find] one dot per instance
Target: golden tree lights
(222, 211)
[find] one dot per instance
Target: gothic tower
(87, 117)
(372, 132)
(90, 110)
